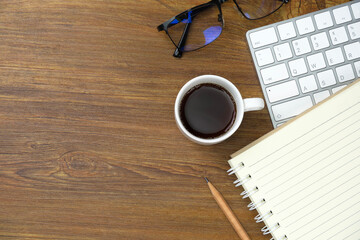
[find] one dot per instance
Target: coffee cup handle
(253, 104)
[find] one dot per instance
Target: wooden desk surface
(89, 148)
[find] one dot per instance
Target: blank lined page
(308, 172)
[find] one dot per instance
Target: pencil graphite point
(207, 180)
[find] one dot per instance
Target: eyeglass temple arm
(178, 51)
(194, 11)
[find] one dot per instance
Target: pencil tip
(207, 180)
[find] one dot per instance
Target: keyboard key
(286, 31)
(264, 57)
(308, 84)
(338, 35)
(356, 10)
(334, 56)
(301, 46)
(357, 68)
(352, 51)
(274, 73)
(282, 91)
(297, 67)
(334, 90)
(320, 41)
(291, 108)
(323, 20)
(342, 15)
(316, 61)
(282, 51)
(326, 78)
(305, 25)
(345, 73)
(263, 37)
(354, 30)
(321, 96)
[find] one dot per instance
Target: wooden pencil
(228, 212)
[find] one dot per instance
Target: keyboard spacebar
(291, 108)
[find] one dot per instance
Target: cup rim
(237, 99)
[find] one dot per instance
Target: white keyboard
(302, 61)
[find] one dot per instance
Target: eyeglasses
(201, 25)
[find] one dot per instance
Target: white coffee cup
(242, 105)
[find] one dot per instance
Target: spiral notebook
(304, 177)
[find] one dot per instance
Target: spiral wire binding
(252, 206)
(247, 194)
(233, 170)
(266, 230)
(241, 181)
(260, 218)
(236, 181)
(283, 238)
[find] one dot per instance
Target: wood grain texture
(89, 148)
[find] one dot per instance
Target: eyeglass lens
(203, 28)
(254, 9)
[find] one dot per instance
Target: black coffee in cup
(207, 110)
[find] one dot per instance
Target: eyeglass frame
(164, 26)
(197, 9)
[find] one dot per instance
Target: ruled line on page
(313, 219)
(271, 181)
(298, 192)
(312, 147)
(346, 217)
(321, 160)
(317, 211)
(338, 217)
(330, 119)
(358, 231)
(322, 196)
(357, 223)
